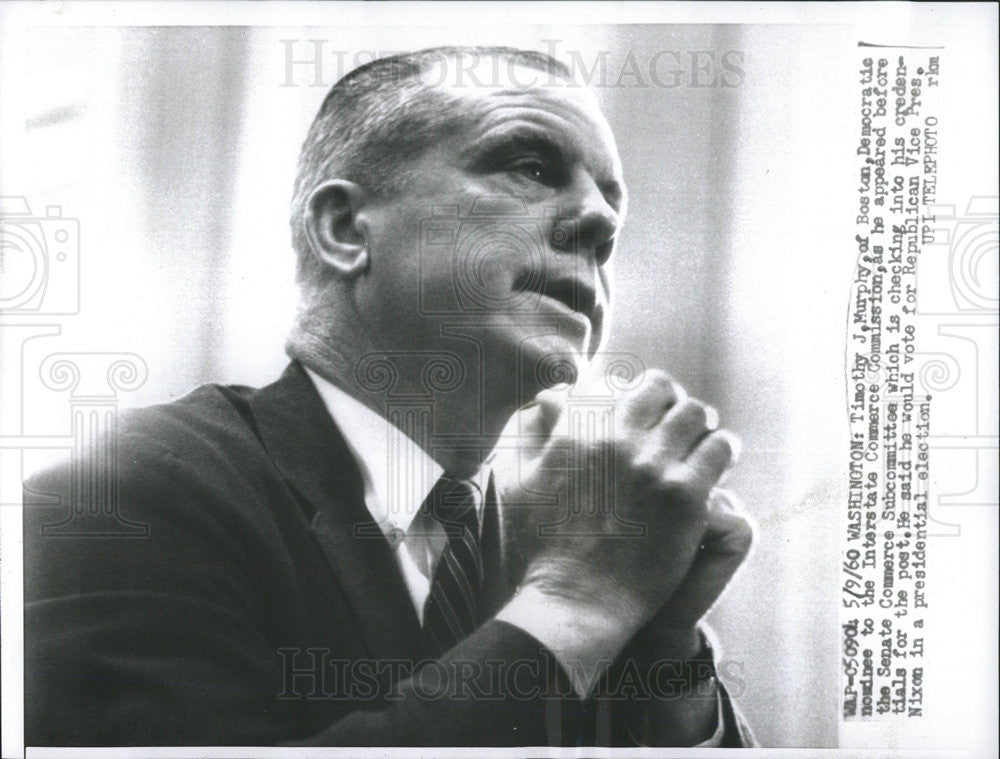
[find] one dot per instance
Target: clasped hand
(612, 507)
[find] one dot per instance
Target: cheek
(468, 268)
(457, 285)
(500, 257)
(490, 281)
(488, 271)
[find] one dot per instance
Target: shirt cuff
(717, 736)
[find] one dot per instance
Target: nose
(588, 222)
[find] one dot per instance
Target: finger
(729, 529)
(646, 404)
(540, 418)
(725, 544)
(721, 499)
(713, 455)
(684, 425)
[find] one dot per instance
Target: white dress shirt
(398, 475)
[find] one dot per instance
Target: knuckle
(711, 417)
(725, 500)
(680, 485)
(677, 393)
(646, 471)
(658, 377)
(694, 412)
(735, 445)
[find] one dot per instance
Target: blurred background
(175, 150)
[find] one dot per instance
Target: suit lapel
(304, 443)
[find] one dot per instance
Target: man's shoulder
(208, 440)
(223, 458)
(210, 418)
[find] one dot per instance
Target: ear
(331, 225)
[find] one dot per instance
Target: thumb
(724, 545)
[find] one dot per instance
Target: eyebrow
(518, 137)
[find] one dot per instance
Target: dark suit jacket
(262, 606)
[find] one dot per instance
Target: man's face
(505, 227)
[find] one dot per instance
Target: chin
(532, 358)
(548, 361)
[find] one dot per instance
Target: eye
(535, 169)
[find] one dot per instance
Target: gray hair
(377, 119)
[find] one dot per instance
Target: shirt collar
(398, 474)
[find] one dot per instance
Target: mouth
(573, 294)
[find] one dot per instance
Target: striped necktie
(451, 609)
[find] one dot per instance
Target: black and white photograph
(500, 379)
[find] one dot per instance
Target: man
(331, 560)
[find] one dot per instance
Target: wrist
(584, 638)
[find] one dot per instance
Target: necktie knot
(452, 504)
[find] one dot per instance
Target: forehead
(496, 91)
